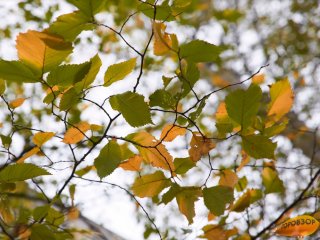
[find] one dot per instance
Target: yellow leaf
(258, 79)
(199, 146)
(162, 40)
(132, 164)
(41, 137)
(170, 132)
(228, 178)
(152, 151)
(42, 51)
(17, 102)
(298, 226)
(32, 152)
(221, 114)
(73, 213)
(218, 81)
(281, 99)
(95, 127)
(211, 216)
(76, 134)
(244, 161)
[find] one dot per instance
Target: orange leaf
(221, 114)
(258, 79)
(132, 164)
(214, 232)
(17, 102)
(73, 213)
(41, 137)
(170, 132)
(244, 161)
(32, 152)
(218, 81)
(152, 151)
(228, 178)
(76, 134)
(162, 40)
(298, 226)
(281, 99)
(199, 146)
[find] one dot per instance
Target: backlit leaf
(132, 164)
(16, 71)
(214, 232)
(170, 132)
(258, 79)
(258, 146)
(228, 178)
(76, 134)
(41, 137)
(281, 99)
(162, 40)
(133, 108)
(299, 226)
(21, 172)
(243, 105)
(216, 198)
(183, 165)
(246, 199)
(89, 7)
(200, 51)
(162, 13)
(162, 98)
(119, 71)
(152, 151)
(68, 99)
(150, 185)
(17, 102)
(42, 51)
(199, 146)
(28, 154)
(41, 231)
(271, 181)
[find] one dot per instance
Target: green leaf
(163, 11)
(89, 7)
(162, 98)
(243, 105)
(40, 212)
(216, 198)
(6, 140)
(119, 71)
(150, 185)
(68, 99)
(183, 165)
(258, 146)
(170, 194)
(21, 172)
(241, 184)
(40, 232)
(200, 51)
(190, 75)
(17, 72)
(67, 75)
(110, 157)
(2, 86)
(133, 108)
(194, 115)
(70, 25)
(271, 181)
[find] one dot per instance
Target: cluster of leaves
(249, 117)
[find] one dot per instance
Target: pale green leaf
(17, 72)
(118, 71)
(89, 7)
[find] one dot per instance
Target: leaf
(214, 232)
(200, 51)
(133, 108)
(81, 172)
(132, 164)
(67, 75)
(16, 71)
(199, 146)
(2, 85)
(17, 102)
(216, 198)
(150, 185)
(190, 75)
(42, 137)
(152, 151)
(271, 181)
(258, 146)
(21, 172)
(162, 40)
(68, 99)
(243, 105)
(28, 154)
(41, 231)
(170, 132)
(70, 25)
(163, 12)
(89, 7)
(299, 226)
(245, 159)
(246, 199)
(281, 99)
(258, 79)
(76, 134)
(109, 158)
(228, 178)
(42, 51)
(162, 98)
(183, 165)
(119, 71)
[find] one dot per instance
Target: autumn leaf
(41, 137)
(17, 102)
(228, 178)
(299, 226)
(271, 181)
(152, 151)
(170, 132)
(28, 154)
(132, 164)
(281, 99)
(258, 79)
(162, 40)
(216, 198)
(199, 146)
(246, 199)
(76, 134)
